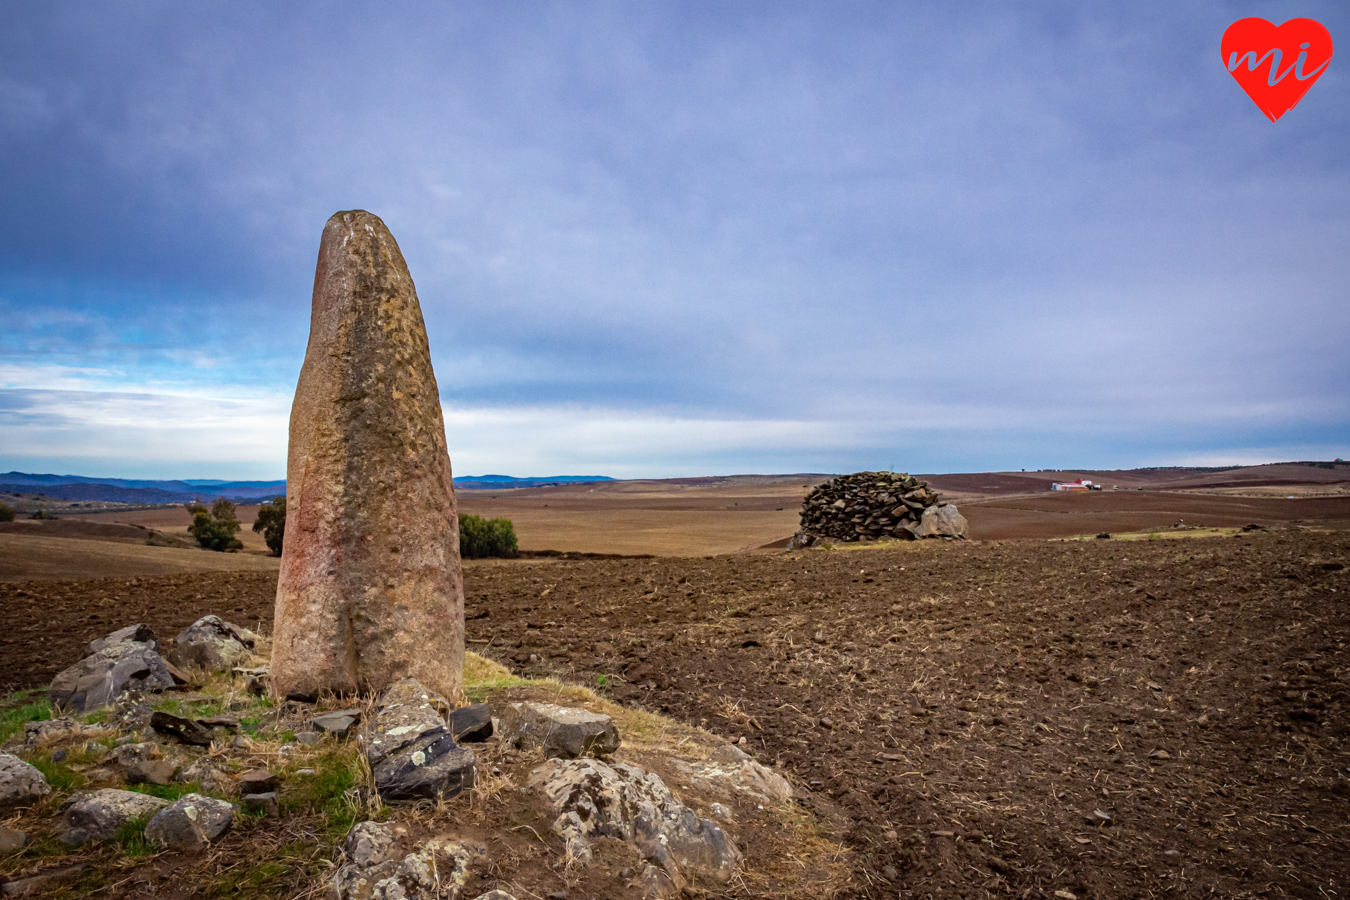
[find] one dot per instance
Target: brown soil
(982, 699)
(1050, 515)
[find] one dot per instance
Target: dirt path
(961, 710)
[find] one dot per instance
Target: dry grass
(35, 557)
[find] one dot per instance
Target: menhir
(370, 590)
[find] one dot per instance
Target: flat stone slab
(732, 769)
(140, 632)
(258, 781)
(97, 816)
(411, 751)
(470, 724)
(338, 722)
(561, 731)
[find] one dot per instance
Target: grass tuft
(20, 709)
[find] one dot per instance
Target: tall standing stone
(370, 590)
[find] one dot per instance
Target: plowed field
(1028, 719)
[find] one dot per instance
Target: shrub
(6, 512)
(271, 522)
(215, 529)
(479, 538)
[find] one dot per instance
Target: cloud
(923, 230)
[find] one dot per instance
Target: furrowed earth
(1038, 718)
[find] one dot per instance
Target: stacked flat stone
(866, 505)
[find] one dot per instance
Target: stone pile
(873, 505)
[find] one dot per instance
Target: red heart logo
(1276, 66)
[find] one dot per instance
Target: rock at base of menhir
(140, 633)
(99, 815)
(190, 822)
(20, 784)
(370, 589)
(410, 749)
(470, 724)
(560, 731)
(593, 799)
(11, 839)
(730, 769)
(378, 870)
(98, 679)
(214, 645)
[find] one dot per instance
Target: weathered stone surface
(214, 645)
(98, 815)
(265, 803)
(376, 870)
(470, 724)
(593, 799)
(151, 771)
(732, 769)
(338, 722)
(942, 522)
(53, 731)
(495, 895)
(40, 882)
(96, 680)
(203, 773)
(11, 839)
(185, 730)
(409, 748)
(189, 822)
(258, 781)
(140, 632)
(562, 731)
(370, 589)
(369, 844)
(20, 783)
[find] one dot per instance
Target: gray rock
(52, 731)
(470, 724)
(141, 633)
(495, 895)
(151, 771)
(258, 781)
(561, 731)
(20, 784)
(338, 722)
(206, 775)
(189, 822)
(11, 839)
(214, 645)
(410, 750)
(369, 843)
(308, 738)
(943, 522)
(185, 730)
(593, 799)
(266, 803)
(439, 867)
(732, 769)
(98, 816)
(99, 678)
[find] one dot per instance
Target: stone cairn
(873, 505)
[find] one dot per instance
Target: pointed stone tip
(356, 217)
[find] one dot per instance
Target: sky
(667, 239)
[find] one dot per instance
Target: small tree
(480, 538)
(214, 529)
(271, 522)
(6, 512)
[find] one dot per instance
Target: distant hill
(497, 482)
(126, 490)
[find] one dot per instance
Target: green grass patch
(131, 838)
(20, 709)
(325, 792)
(483, 676)
(59, 775)
(166, 791)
